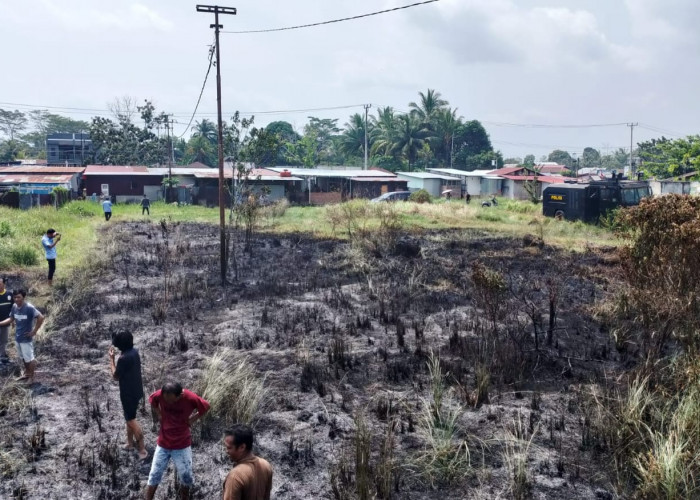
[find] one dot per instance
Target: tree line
(429, 134)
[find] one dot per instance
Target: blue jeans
(182, 459)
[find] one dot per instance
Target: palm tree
(207, 130)
(352, 141)
(411, 135)
(446, 123)
(430, 103)
(384, 127)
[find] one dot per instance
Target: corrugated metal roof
(116, 170)
(329, 172)
(30, 169)
(377, 179)
(541, 178)
(228, 175)
(35, 179)
(426, 175)
(461, 173)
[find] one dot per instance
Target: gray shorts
(25, 351)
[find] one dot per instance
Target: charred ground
(348, 340)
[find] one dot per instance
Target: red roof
(553, 169)
(29, 169)
(506, 171)
(197, 164)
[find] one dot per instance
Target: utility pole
(367, 106)
(631, 126)
(222, 214)
(452, 149)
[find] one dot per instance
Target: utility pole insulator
(216, 10)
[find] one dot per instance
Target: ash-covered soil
(336, 331)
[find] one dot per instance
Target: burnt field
(451, 364)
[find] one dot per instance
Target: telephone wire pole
(631, 126)
(216, 10)
(367, 106)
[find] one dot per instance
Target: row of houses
(198, 184)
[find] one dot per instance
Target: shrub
(232, 387)
(662, 267)
(490, 216)
(82, 208)
(5, 229)
(420, 196)
(24, 255)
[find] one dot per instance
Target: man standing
(251, 477)
(23, 315)
(177, 409)
(127, 370)
(145, 205)
(107, 208)
(5, 308)
(49, 242)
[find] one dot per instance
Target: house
(68, 149)
(515, 179)
(72, 181)
(473, 181)
(275, 185)
(680, 184)
(435, 184)
(123, 183)
(325, 185)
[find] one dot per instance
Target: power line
(537, 125)
(288, 28)
(201, 92)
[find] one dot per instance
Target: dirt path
(335, 332)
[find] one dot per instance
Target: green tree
(124, 143)
(616, 160)
(429, 104)
(199, 149)
(528, 161)
(11, 150)
(322, 130)
(445, 126)
(352, 140)
(561, 157)
(590, 158)
(664, 158)
(411, 135)
(473, 149)
(207, 130)
(12, 123)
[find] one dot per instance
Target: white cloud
(135, 16)
(504, 32)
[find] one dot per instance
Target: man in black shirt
(127, 371)
(145, 205)
(5, 308)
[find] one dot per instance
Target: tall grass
(233, 388)
(445, 457)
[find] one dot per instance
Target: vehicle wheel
(559, 215)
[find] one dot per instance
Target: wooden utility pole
(367, 106)
(222, 213)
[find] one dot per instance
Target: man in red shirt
(177, 409)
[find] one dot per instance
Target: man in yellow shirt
(251, 477)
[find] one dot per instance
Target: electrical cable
(288, 28)
(201, 93)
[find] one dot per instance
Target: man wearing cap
(49, 242)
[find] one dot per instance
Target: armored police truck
(588, 201)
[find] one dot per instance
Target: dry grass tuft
(233, 388)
